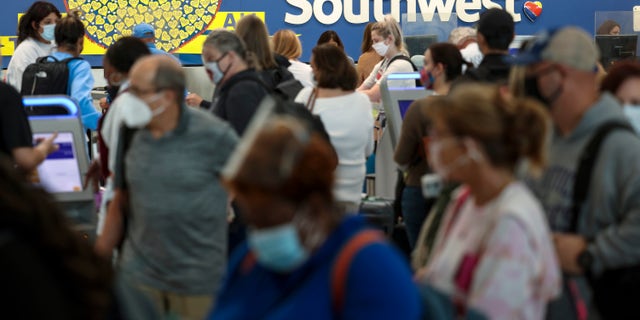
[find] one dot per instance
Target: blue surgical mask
(633, 115)
(48, 32)
(279, 248)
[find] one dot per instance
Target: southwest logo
(532, 10)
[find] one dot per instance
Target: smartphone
(636, 19)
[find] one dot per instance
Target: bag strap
(45, 59)
(402, 57)
(460, 201)
(311, 102)
(585, 168)
(67, 60)
(340, 271)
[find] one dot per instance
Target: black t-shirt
(15, 131)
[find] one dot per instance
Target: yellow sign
(226, 20)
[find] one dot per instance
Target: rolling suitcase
(379, 213)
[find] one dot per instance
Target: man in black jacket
(495, 32)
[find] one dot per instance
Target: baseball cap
(569, 46)
(144, 30)
(496, 21)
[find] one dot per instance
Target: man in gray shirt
(605, 235)
(174, 247)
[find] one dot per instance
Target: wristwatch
(585, 261)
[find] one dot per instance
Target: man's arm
(113, 225)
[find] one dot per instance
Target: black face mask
(112, 92)
(531, 90)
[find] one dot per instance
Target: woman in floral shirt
(493, 251)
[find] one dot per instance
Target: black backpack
(405, 58)
(281, 82)
(47, 75)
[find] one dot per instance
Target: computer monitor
(396, 101)
(62, 172)
(617, 47)
(419, 44)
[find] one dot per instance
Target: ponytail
(526, 131)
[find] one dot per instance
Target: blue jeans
(414, 212)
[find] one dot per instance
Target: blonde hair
(390, 27)
(286, 43)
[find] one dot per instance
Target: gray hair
(225, 41)
(169, 75)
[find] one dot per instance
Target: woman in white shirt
(286, 43)
(387, 42)
(346, 115)
(35, 39)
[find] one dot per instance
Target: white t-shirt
(301, 72)
(349, 122)
(383, 68)
(27, 52)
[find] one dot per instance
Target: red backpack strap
(462, 198)
(342, 263)
(248, 262)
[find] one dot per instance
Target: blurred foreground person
(493, 251)
(303, 258)
(48, 271)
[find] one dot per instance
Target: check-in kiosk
(62, 173)
(395, 102)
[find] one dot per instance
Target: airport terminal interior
(200, 159)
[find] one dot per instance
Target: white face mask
(444, 170)
(380, 48)
(48, 32)
(633, 115)
(136, 112)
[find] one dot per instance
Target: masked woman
(304, 259)
(493, 251)
(35, 39)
